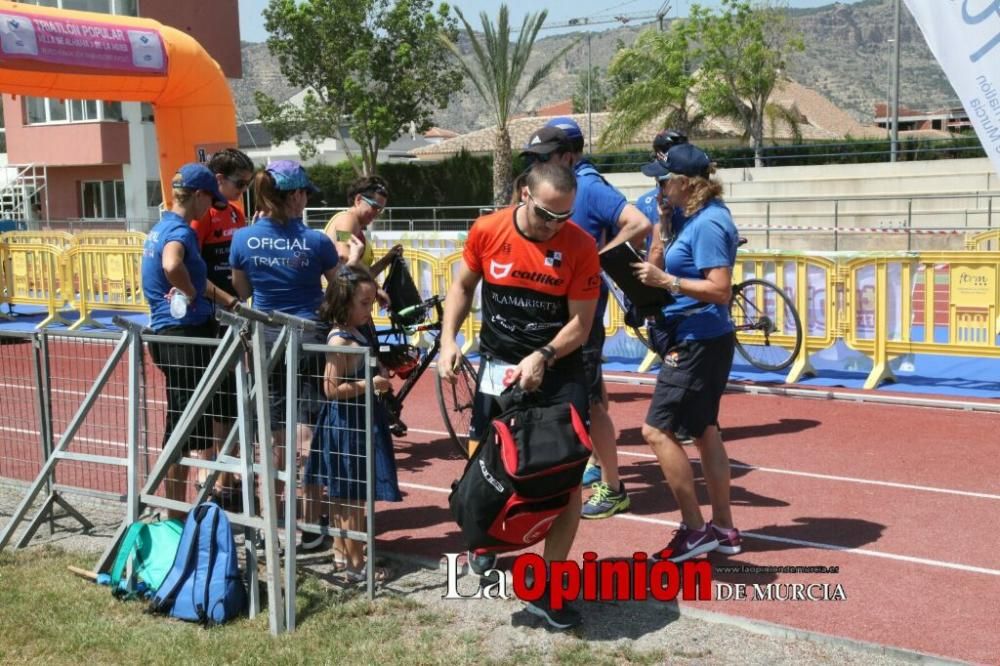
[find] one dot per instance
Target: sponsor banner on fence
(964, 36)
(94, 44)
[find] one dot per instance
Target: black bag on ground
(521, 476)
(402, 292)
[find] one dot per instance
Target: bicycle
(768, 328)
(410, 363)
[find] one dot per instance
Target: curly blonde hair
(701, 190)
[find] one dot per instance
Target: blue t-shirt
(173, 228)
(646, 203)
(598, 205)
(284, 263)
(707, 240)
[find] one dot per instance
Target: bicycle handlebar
(432, 302)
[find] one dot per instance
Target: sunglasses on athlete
(547, 215)
(376, 206)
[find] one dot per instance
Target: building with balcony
(90, 163)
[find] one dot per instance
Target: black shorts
(310, 386)
(564, 385)
(183, 366)
(690, 385)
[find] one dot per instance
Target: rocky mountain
(847, 57)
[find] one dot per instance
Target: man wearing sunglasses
(604, 213)
(540, 280)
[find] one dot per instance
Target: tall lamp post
(894, 141)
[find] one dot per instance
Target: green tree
(370, 68)
(741, 52)
(496, 70)
(598, 98)
(652, 84)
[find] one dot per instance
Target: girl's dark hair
(268, 198)
(368, 186)
(340, 293)
(229, 162)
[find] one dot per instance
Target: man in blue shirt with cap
(605, 214)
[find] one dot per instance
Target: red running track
(900, 499)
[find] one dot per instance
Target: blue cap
(568, 125)
(684, 159)
(289, 175)
(195, 176)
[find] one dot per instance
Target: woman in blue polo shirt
(697, 349)
(173, 268)
(281, 262)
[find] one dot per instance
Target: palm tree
(654, 85)
(496, 70)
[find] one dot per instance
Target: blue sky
(252, 25)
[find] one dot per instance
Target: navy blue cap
(289, 175)
(196, 176)
(547, 140)
(568, 125)
(684, 159)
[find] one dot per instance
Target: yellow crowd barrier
(883, 305)
(59, 239)
(101, 238)
(5, 285)
(930, 303)
(108, 277)
(36, 278)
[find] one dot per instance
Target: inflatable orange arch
(66, 54)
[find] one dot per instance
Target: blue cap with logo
(195, 176)
(289, 175)
(567, 125)
(684, 159)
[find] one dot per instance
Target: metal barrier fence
(96, 274)
(155, 423)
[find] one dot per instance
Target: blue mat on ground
(27, 317)
(840, 366)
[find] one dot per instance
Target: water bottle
(178, 304)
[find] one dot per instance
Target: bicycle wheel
(455, 401)
(768, 329)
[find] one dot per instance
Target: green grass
(49, 615)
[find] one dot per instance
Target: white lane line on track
(80, 394)
(85, 440)
(810, 475)
(795, 542)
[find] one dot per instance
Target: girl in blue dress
(337, 458)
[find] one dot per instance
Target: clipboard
(617, 263)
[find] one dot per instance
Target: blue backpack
(204, 585)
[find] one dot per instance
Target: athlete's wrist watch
(549, 353)
(675, 286)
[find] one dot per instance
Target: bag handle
(124, 555)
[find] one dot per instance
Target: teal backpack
(150, 548)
